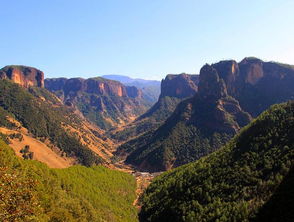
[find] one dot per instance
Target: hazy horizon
(146, 39)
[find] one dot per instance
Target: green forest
(42, 119)
(233, 183)
(30, 191)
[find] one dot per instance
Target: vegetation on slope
(30, 191)
(107, 103)
(42, 119)
(196, 128)
(174, 89)
(280, 206)
(232, 183)
(150, 120)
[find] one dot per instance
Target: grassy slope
(232, 183)
(33, 192)
(42, 119)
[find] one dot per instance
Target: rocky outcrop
(223, 113)
(228, 71)
(23, 75)
(55, 84)
(257, 84)
(229, 95)
(97, 86)
(198, 126)
(180, 86)
(210, 84)
(106, 102)
(174, 89)
(150, 88)
(134, 92)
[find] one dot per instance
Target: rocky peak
(23, 75)
(251, 70)
(179, 86)
(228, 71)
(210, 85)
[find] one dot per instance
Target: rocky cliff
(257, 84)
(106, 102)
(97, 86)
(23, 75)
(150, 88)
(229, 95)
(198, 126)
(180, 86)
(174, 88)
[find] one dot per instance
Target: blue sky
(142, 38)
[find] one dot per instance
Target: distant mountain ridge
(150, 88)
(174, 88)
(107, 103)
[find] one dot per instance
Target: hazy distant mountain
(150, 88)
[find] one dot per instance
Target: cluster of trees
(232, 183)
(42, 119)
(26, 153)
(30, 191)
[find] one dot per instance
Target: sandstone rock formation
(23, 75)
(229, 94)
(180, 86)
(106, 102)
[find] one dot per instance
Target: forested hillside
(233, 183)
(229, 95)
(30, 191)
(174, 89)
(44, 116)
(198, 126)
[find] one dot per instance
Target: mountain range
(107, 103)
(223, 136)
(229, 95)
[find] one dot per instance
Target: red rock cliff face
(257, 84)
(180, 86)
(23, 75)
(107, 103)
(98, 86)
